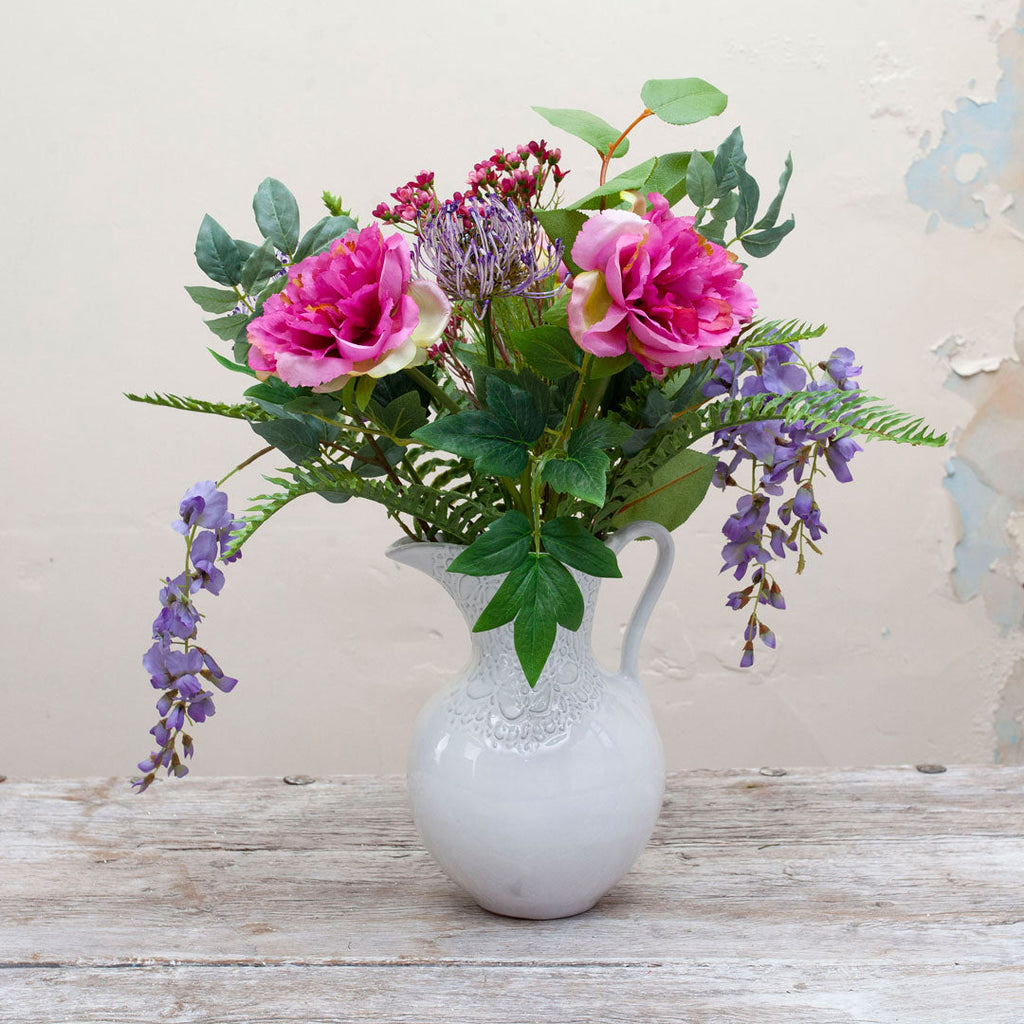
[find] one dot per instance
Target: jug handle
(630, 666)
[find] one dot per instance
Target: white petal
(397, 359)
(435, 311)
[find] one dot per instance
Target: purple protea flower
(483, 247)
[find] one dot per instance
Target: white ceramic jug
(537, 801)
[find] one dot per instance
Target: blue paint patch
(982, 144)
(983, 514)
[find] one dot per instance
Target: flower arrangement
(522, 374)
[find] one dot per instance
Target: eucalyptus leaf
(217, 254)
(259, 267)
(701, 185)
(229, 327)
(230, 365)
(277, 214)
(321, 234)
(749, 197)
(730, 158)
(771, 215)
(762, 243)
(586, 126)
(682, 100)
(213, 300)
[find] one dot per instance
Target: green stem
(434, 390)
(248, 461)
(488, 322)
(574, 405)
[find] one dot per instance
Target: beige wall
(123, 123)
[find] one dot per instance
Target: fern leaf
(452, 514)
(244, 411)
(765, 333)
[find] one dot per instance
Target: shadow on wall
(981, 151)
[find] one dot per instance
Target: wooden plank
(760, 992)
(883, 892)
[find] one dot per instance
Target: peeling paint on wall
(975, 171)
(982, 146)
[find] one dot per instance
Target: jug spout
(431, 559)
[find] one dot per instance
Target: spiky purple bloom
(176, 665)
(486, 247)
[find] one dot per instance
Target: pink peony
(655, 287)
(351, 310)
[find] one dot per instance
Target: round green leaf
(682, 100)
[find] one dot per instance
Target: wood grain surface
(818, 896)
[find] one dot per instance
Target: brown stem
(606, 159)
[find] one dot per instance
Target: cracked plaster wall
(972, 177)
(903, 643)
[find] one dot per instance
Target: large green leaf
(550, 351)
(563, 224)
(586, 126)
(402, 415)
(296, 439)
(498, 438)
(682, 100)
(669, 177)
(500, 548)
(540, 594)
(584, 470)
(321, 234)
(277, 214)
(570, 542)
(670, 493)
(730, 158)
(634, 179)
(216, 253)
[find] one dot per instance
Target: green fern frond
(244, 411)
(849, 412)
(765, 333)
(853, 412)
(451, 514)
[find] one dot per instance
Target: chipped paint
(981, 148)
(973, 173)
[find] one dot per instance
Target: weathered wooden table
(814, 896)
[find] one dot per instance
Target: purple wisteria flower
(484, 247)
(176, 664)
(762, 458)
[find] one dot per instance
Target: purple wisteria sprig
(177, 665)
(762, 458)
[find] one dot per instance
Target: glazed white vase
(537, 801)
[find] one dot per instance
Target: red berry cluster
(518, 175)
(413, 200)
